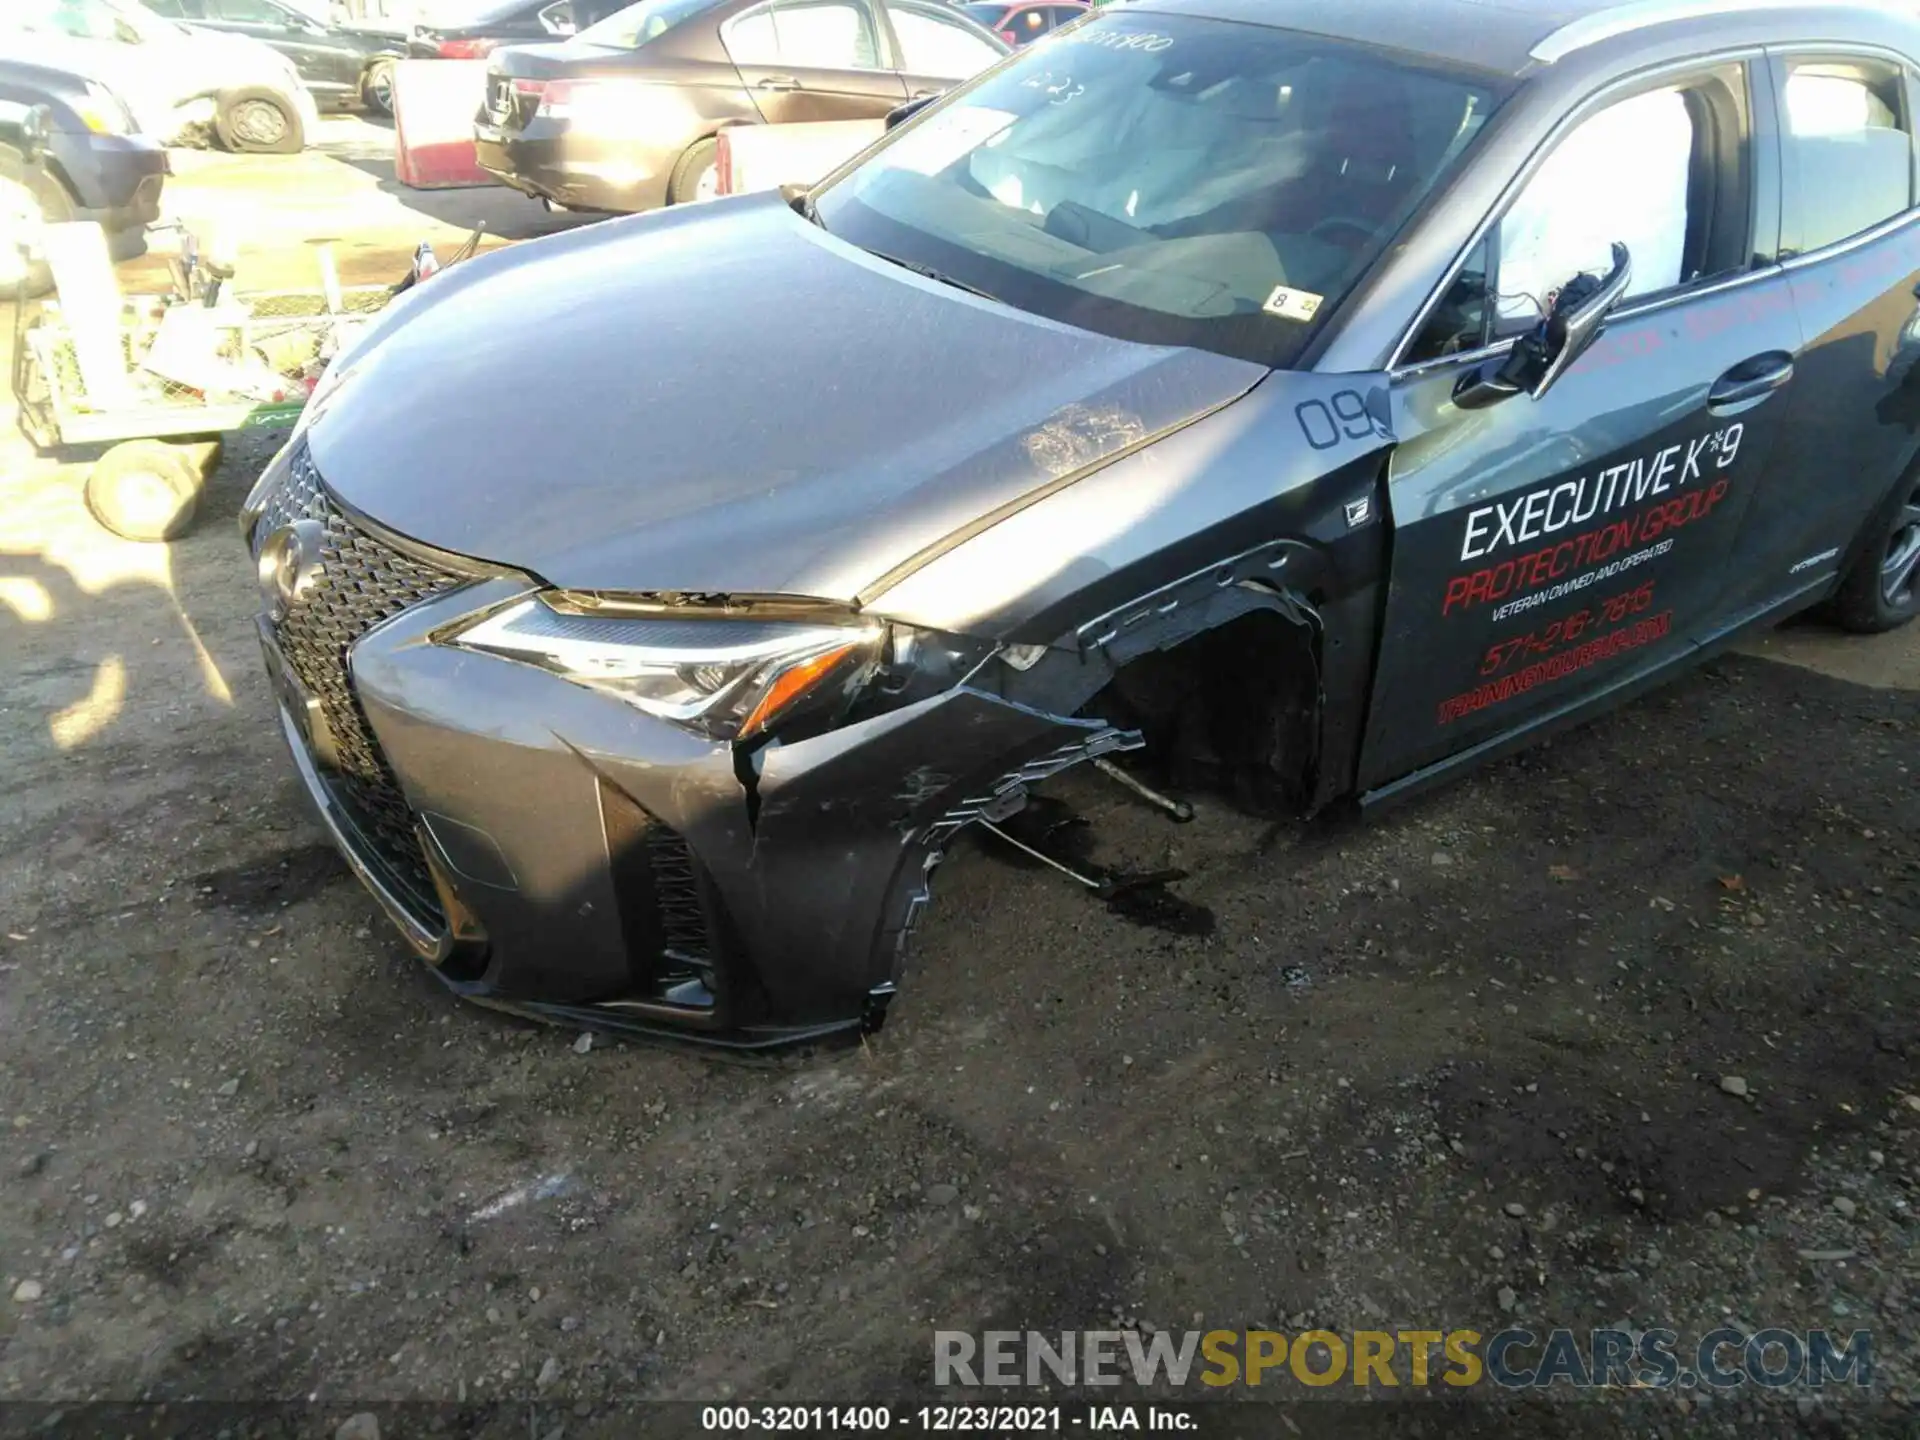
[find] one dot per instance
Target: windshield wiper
(800, 199)
(927, 272)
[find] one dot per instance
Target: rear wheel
(1882, 590)
(376, 87)
(144, 490)
(695, 177)
(257, 121)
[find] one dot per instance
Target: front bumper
(547, 848)
(549, 162)
(117, 179)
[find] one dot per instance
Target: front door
(1546, 550)
(324, 64)
(812, 60)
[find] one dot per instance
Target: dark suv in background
(342, 66)
(622, 117)
(482, 28)
(94, 166)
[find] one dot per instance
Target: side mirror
(1542, 356)
(905, 112)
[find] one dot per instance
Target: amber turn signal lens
(793, 682)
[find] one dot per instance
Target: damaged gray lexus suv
(1346, 393)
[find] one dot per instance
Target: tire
(144, 490)
(254, 120)
(56, 208)
(376, 88)
(694, 172)
(1881, 591)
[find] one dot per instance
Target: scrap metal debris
(1140, 896)
(1180, 811)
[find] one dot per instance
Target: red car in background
(1020, 23)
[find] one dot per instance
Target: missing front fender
(1234, 711)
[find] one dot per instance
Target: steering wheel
(1364, 229)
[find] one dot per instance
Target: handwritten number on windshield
(1145, 40)
(1059, 88)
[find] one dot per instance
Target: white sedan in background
(174, 79)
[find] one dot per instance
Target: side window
(934, 46)
(806, 34)
(1064, 14)
(1030, 23)
(1462, 319)
(749, 37)
(1848, 149)
(1666, 173)
(249, 12)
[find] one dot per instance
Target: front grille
(361, 582)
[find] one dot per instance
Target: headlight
(103, 112)
(721, 676)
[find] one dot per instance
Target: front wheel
(258, 121)
(376, 87)
(1882, 590)
(27, 205)
(144, 490)
(21, 265)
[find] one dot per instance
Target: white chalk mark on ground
(545, 1188)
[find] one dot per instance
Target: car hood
(726, 399)
(193, 65)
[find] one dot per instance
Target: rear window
(984, 14)
(451, 14)
(81, 19)
(1169, 179)
(634, 26)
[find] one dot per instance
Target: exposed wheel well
(1234, 709)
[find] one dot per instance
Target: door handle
(777, 82)
(1750, 380)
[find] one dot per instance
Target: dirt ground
(1466, 1065)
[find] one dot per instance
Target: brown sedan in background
(622, 117)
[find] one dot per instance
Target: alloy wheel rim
(707, 186)
(259, 123)
(383, 87)
(1898, 570)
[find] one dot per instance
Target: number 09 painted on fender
(1327, 423)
